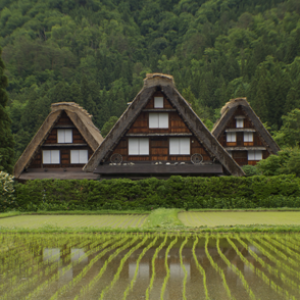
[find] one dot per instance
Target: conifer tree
(6, 138)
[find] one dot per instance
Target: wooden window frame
(138, 139)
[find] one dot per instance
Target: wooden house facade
(61, 147)
(242, 134)
(160, 135)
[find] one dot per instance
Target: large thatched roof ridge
(80, 118)
(228, 110)
(167, 86)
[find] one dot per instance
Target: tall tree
(6, 138)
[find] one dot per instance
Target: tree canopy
(96, 53)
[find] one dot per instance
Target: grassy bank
(159, 220)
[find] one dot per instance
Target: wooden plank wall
(159, 146)
(159, 151)
(64, 151)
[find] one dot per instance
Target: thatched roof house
(62, 145)
(159, 134)
(242, 134)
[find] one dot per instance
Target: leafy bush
(7, 198)
(250, 170)
(176, 192)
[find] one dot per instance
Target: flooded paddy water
(149, 266)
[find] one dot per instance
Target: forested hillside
(96, 53)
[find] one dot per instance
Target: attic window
(248, 137)
(138, 146)
(254, 155)
(158, 120)
(64, 136)
(239, 123)
(231, 137)
(179, 146)
(79, 156)
(51, 157)
(158, 102)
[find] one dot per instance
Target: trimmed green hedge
(176, 192)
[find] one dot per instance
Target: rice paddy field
(149, 266)
(235, 218)
(74, 221)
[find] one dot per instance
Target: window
(158, 120)
(64, 136)
(248, 137)
(51, 156)
(231, 137)
(179, 146)
(239, 123)
(79, 156)
(138, 146)
(255, 155)
(158, 102)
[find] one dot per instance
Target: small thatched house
(242, 134)
(62, 145)
(160, 135)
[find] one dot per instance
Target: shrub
(250, 170)
(7, 197)
(176, 192)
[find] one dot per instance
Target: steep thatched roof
(166, 84)
(228, 111)
(80, 118)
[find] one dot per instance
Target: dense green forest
(97, 52)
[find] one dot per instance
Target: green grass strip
(218, 269)
(183, 268)
(200, 268)
(164, 218)
(235, 269)
(122, 262)
(263, 276)
(130, 286)
(104, 267)
(153, 266)
(167, 268)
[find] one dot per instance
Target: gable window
(64, 136)
(255, 155)
(51, 157)
(240, 123)
(158, 102)
(179, 146)
(248, 137)
(158, 120)
(138, 146)
(79, 156)
(231, 137)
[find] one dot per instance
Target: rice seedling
(130, 286)
(123, 260)
(183, 268)
(280, 264)
(235, 270)
(153, 266)
(263, 276)
(217, 268)
(75, 280)
(167, 268)
(271, 269)
(200, 268)
(103, 269)
(284, 247)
